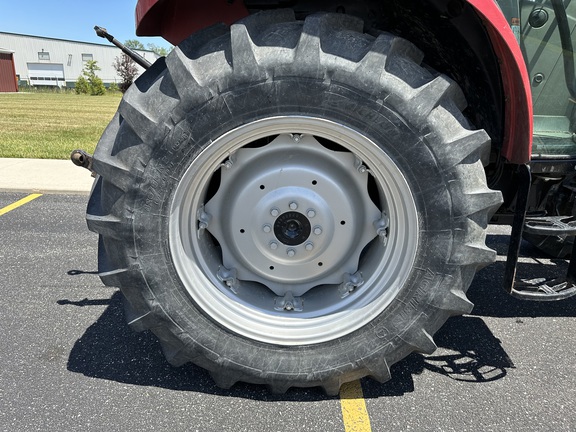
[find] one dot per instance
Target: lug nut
(293, 205)
(274, 212)
(290, 253)
(273, 245)
(311, 213)
(309, 246)
(317, 230)
(266, 228)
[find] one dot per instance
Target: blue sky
(72, 19)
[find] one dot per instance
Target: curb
(47, 176)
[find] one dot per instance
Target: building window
(44, 56)
(87, 57)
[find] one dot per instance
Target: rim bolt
(293, 205)
(273, 245)
(309, 246)
(266, 228)
(317, 230)
(311, 213)
(274, 212)
(290, 253)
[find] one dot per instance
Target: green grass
(51, 125)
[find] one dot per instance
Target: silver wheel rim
(293, 230)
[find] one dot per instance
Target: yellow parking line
(354, 412)
(19, 203)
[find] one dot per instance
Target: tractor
(298, 194)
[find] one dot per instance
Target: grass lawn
(51, 125)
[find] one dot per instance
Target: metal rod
(524, 180)
(100, 31)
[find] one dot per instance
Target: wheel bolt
(293, 205)
(311, 213)
(290, 253)
(266, 228)
(274, 212)
(317, 230)
(309, 246)
(273, 245)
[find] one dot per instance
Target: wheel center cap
(292, 228)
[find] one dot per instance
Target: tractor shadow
(468, 350)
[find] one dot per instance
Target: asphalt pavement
(69, 362)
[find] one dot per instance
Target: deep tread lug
(402, 48)
(426, 98)
(137, 320)
(141, 122)
(377, 369)
(316, 28)
(455, 303)
(486, 200)
(173, 356)
(186, 84)
(332, 388)
(421, 341)
(278, 388)
(469, 144)
(472, 254)
(224, 380)
(108, 226)
(113, 169)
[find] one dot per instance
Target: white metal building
(42, 61)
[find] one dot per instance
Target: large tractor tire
(292, 203)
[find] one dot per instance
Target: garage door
(47, 74)
(7, 74)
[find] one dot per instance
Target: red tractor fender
(175, 20)
(518, 125)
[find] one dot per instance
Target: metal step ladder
(537, 289)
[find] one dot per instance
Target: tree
(126, 68)
(134, 44)
(161, 51)
(81, 86)
(89, 82)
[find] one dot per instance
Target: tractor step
(537, 289)
(551, 225)
(542, 289)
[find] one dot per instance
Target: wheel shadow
(110, 350)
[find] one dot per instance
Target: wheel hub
(294, 215)
(292, 228)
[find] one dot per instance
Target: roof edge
(64, 40)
